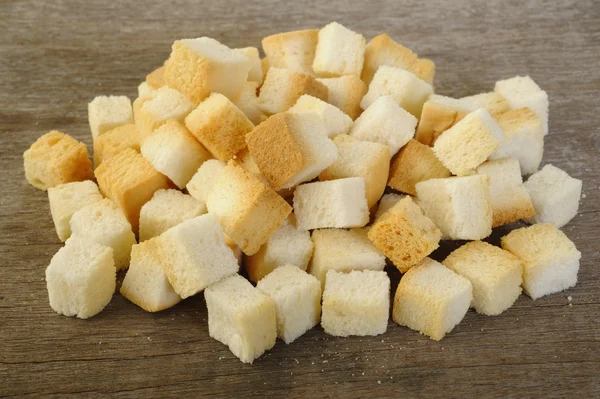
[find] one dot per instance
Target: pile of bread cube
(281, 187)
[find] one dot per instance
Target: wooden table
(56, 56)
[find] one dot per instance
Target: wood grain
(56, 56)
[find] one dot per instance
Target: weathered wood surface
(56, 56)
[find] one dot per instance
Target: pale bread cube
(431, 299)
(291, 50)
(256, 73)
(356, 303)
(522, 91)
(152, 112)
(298, 299)
(385, 122)
(204, 179)
(283, 87)
(550, 259)
(459, 206)
(339, 52)
(247, 102)
(156, 78)
(555, 195)
(382, 50)
(145, 90)
(440, 114)
(336, 122)
(68, 198)
(495, 104)
(387, 202)
(241, 317)
(495, 274)
(81, 278)
(108, 112)
(115, 141)
(345, 92)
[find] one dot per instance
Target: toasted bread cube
(241, 317)
(407, 90)
(247, 102)
(550, 259)
(146, 283)
(522, 91)
(431, 299)
(523, 139)
(356, 303)
(555, 195)
(104, 223)
(495, 274)
(283, 87)
(356, 158)
(298, 298)
(115, 141)
(151, 113)
(108, 112)
(469, 143)
(156, 78)
(339, 52)
(202, 182)
(68, 198)
(439, 114)
(387, 202)
(415, 163)
(144, 90)
(459, 206)
(291, 50)
(56, 158)
(130, 180)
(81, 278)
(291, 148)
(249, 211)
(405, 235)
(509, 198)
(382, 50)
(424, 69)
(256, 73)
(385, 122)
(345, 92)
(495, 104)
(343, 251)
(336, 122)
(340, 203)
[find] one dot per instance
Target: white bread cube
(108, 112)
(494, 102)
(256, 73)
(343, 251)
(469, 143)
(166, 104)
(283, 87)
(114, 141)
(298, 299)
(340, 203)
(385, 122)
(383, 50)
(336, 122)
(459, 206)
(522, 91)
(81, 278)
(439, 114)
(345, 92)
(291, 50)
(509, 198)
(204, 179)
(241, 317)
(495, 274)
(431, 299)
(356, 303)
(104, 223)
(550, 259)
(339, 52)
(247, 102)
(356, 158)
(145, 90)
(407, 90)
(146, 283)
(386, 202)
(555, 195)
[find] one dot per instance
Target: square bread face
(383, 50)
(166, 104)
(522, 91)
(108, 112)
(345, 92)
(116, 140)
(204, 179)
(431, 299)
(357, 303)
(336, 122)
(283, 87)
(495, 274)
(339, 52)
(81, 278)
(241, 317)
(298, 299)
(292, 50)
(439, 114)
(550, 259)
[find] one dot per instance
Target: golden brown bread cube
(156, 78)
(114, 141)
(283, 87)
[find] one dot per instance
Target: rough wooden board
(56, 56)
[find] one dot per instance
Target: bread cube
(493, 102)
(356, 303)
(336, 122)
(247, 102)
(407, 90)
(256, 73)
(509, 198)
(56, 158)
(345, 92)
(467, 144)
(414, 163)
(340, 203)
(249, 211)
(156, 78)
(431, 299)
(523, 139)
(387, 202)
(439, 114)
(459, 206)
(204, 179)
(144, 90)
(385, 122)
(356, 158)
(343, 251)
(115, 141)
(130, 180)
(146, 283)
(405, 235)
(68, 198)
(151, 113)
(495, 275)
(339, 52)
(108, 112)
(424, 69)
(555, 195)
(283, 87)
(382, 50)
(81, 278)
(550, 259)
(241, 317)
(522, 91)
(291, 50)
(298, 299)
(291, 148)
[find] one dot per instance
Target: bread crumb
(569, 298)
(379, 382)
